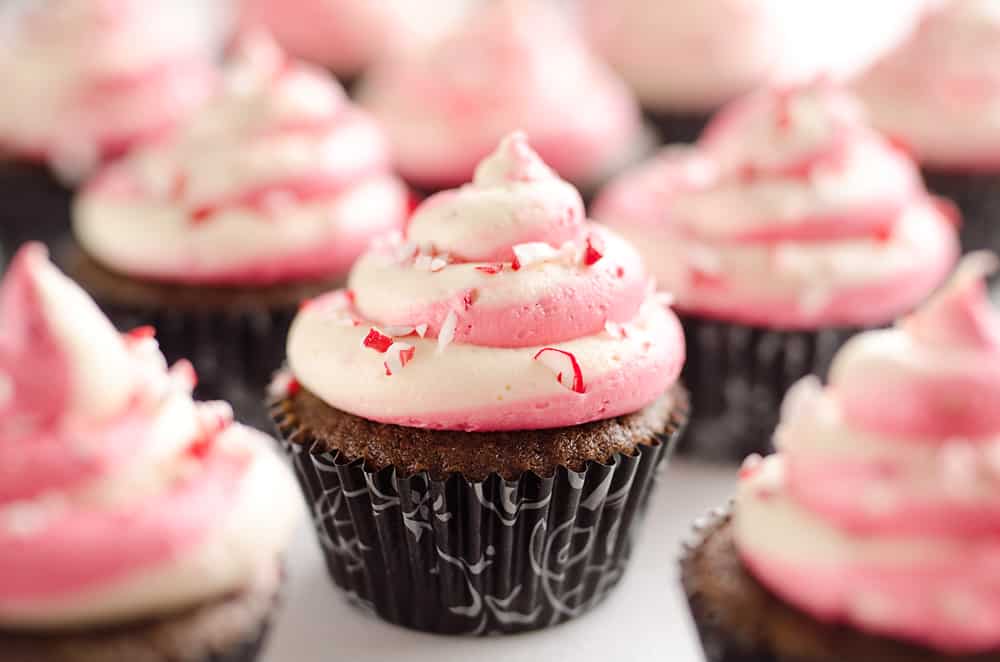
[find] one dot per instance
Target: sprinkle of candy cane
(615, 330)
(421, 330)
(531, 253)
(283, 385)
(750, 465)
(377, 340)
(397, 356)
(447, 333)
(594, 251)
(184, 375)
(566, 367)
(490, 269)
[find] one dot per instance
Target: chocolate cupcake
(134, 522)
(871, 535)
(478, 420)
(939, 94)
(790, 226)
(85, 82)
(262, 199)
(511, 64)
(684, 60)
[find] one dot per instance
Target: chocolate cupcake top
(87, 80)
(513, 63)
(790, 212)
(882, 508)
(501, 309)
(349, 35)
(279, 178)
(120, 497)
(940, 90)
(687, 56)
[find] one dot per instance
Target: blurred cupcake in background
(134, 522)
(789, 226)
(939, 94)
(872, 534)
(347, 36)
(263, 199)
(483, 412)
(685, 59)
(84, 81)
(514, 63)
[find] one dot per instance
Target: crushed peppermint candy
(397, 356)
(377, 340)
(469, 298)
(283, 385)
(491, 269)
(183, 374)
(616, 330)
(534, 252)
(421, 330)
(565, 365)
(751, 465)
(447, 333)
(594, 250)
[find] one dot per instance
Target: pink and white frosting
(279, 178)
(501, 309)
(349, 35)
(687, 56)
(513, 63)
(882, 508)
(86, 80)
(120, 497)
(940, 90)
(790, 213)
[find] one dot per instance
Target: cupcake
(939, 94)
(477, 421)
(262, 199)
(134, 522)
(786, 229)
(84, 82)
(871, 534)
(347, 36)
(514, 63)
(686, 59)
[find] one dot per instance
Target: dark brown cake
(232, 629)
(741, 621)
(475, 455)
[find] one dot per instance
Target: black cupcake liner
(475, 558)
(978, 198)
(34, 206)
(678, 127)
(738, 376)
(235, 353)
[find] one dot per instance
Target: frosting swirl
(502, 309)
(513, 63)
(89, 79)
(940, 90)
(278, 178)
(882, 509)
(790, 212)
(120, 498)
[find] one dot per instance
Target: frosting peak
(885, 487)
(279, 178)
(120, 497)
(502, 308)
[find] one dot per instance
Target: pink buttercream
(55, 541)
(758, 217)
(893, 468)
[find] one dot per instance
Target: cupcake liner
(978, 198)
(235, 353)
(738, 376)
(461, 557)
(678, 127)
(36, 206)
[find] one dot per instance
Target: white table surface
(645, 619)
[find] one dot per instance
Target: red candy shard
(492, 268)
(398, 355)
(620, 272)
(200, 447)
(141, 333)
(377, 340)
(202, 214)
(306, 304)
(470, 298)
(293, 387)
(949, 210)
(562, 363)
(594, 251)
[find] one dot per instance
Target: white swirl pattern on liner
(279, 178)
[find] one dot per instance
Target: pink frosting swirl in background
(882, 508)
(279, 178)
(790, 212)
(88, 79)
(502, 308)
(120, 498)
(513, 63)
